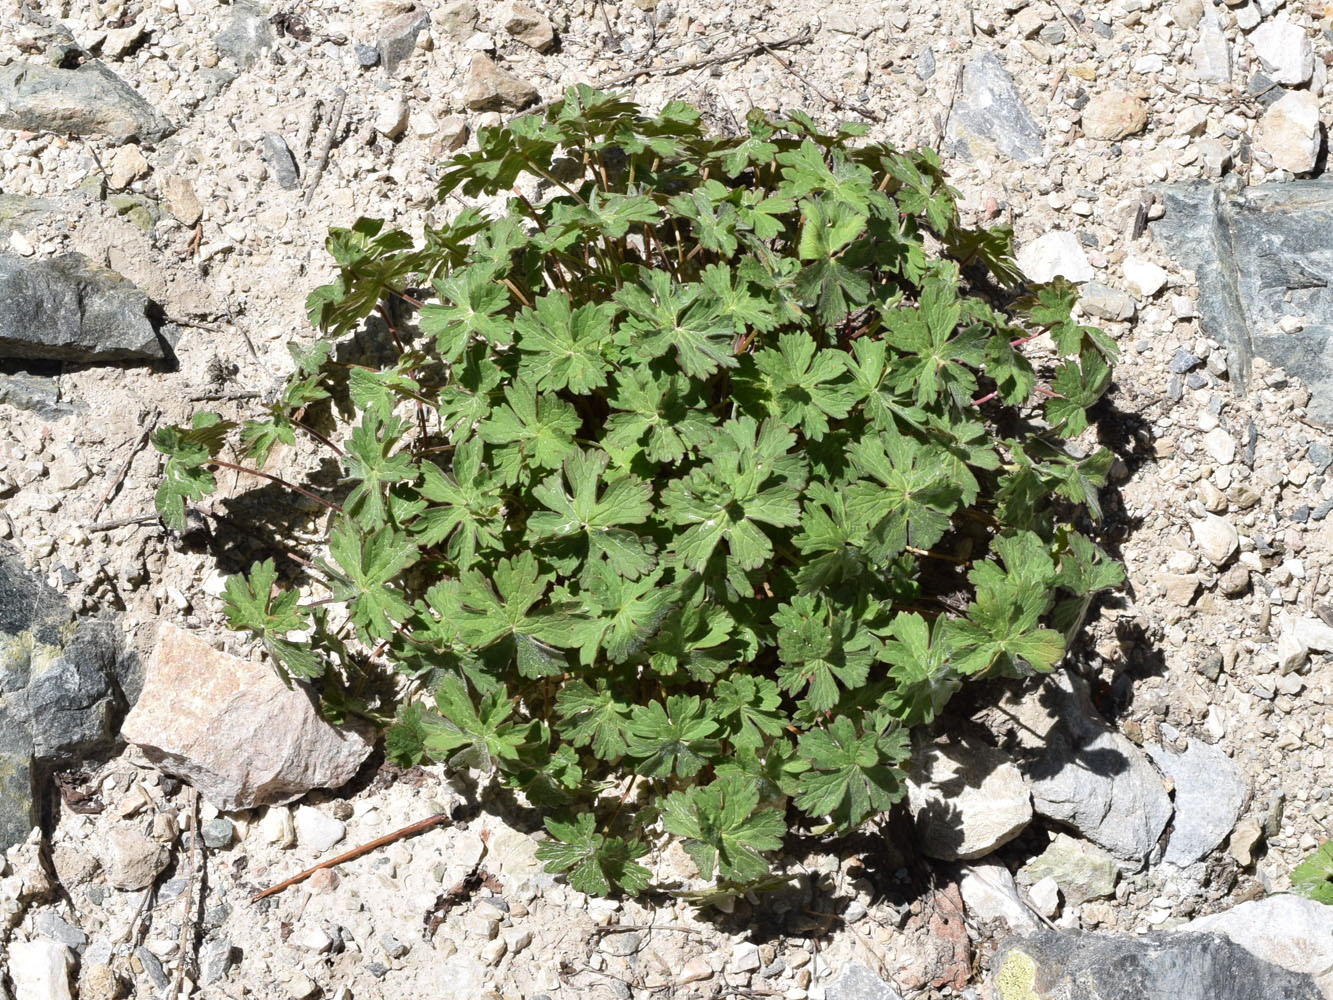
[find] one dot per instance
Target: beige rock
(456, 19)
(229, 727)
(452, 133)
(966, 799)
(1180, 587)
(127, 166)
(1244, 839)
(528, 26)
(120, 40)
(490, 88)
(1289, 132)
(1114, 115)
(133, 861)
(181, 201)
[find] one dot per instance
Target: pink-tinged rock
(230, 728)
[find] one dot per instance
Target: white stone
(277, 828)
(1285, 50)
(745, 957)
(1286, 930)
(1297, 637)
(1220, 445)
(966, 799)
(391, 120)
(1216, 537)
(989, 893)
(1247, 17)
(311, 939)
(127, 166)
(1212, 53)
(1144, 278)
(1289, 132)
(317, 831)
(1055, 254)
(39, 970)
(1045, 896)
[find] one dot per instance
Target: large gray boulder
(1050, 965)
(88, 100)
(1261, 254)
(1082, 772)
(65, 309)
(1290, 931)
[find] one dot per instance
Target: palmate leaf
(504, 610)
(938, 355)
(595, 718)
(827, 282)
(750, 708)
(466, 506)
(626, 614)
(562, 347)
(747, 484)
(472, 734)
(682, 320)
(371, 460)
(473, 305)
(369, 563)
(654, 415)
(910, 500)
(251, 605)
(185, 474)
(535, 430)
(577, 507)
(1077, 386)
(806, 385)
(820, 650)
(596, 864)
(851, 776)
(919, 658)
(723, 830)
(671, 737)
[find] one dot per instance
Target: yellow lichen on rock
(1016, 977)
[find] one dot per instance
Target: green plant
(1313, 877)
(714, 465)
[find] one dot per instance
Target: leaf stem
(276, 479)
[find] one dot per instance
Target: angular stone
(1054, 254)
(1113, 116)
(1285, 50)
(280, 160)
(457, 19)
(1259, 255)
(317, 831)
(214, 960)
(133, 861)
(1210, 794)
(1212, 52)
(1296, 637)
(181, 201)
(966, 799)
(856, 982)
(528, 26)
(230, 728)
(247, 37)
(1220, 445)
(1105, 302)
(65, 309)
(1081, 772)
(989, 115)
(1288, 931)
(1290, 134)
(39, 970)
(1216, 538)
(1050, 965)
(398, 38)
(89, 100)
(490, 88)
(1144, 278)
(1083, 871)
(18, 794)
(989, 893)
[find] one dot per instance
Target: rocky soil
(202, 150)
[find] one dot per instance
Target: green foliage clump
(1313, 877)
(711, 467)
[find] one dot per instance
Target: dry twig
(125, 465)
(122, 522)
(324, 150)
(408, 831)
(837, 102)
(682, 67)
(186, 923)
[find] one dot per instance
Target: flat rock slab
(229, 727)
(966, 799)
(1289, 931)
(989, 115)
(19, 211)
(1050, 965)
(1210, 794)
(1082, 773)
(1261, 254)
(89, 100)
(65, 309)
(1081, 870)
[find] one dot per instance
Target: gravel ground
(1189, 643)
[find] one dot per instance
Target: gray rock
(89, 100)
(18, 798)
(280, 160)
(1081, 870)
(924, 63)
(490, 88)
(1050, 965)
(247, 36)
(1105, 302)
(56, 927)
(152, 967)
(366, 55)
(217, 833)
(1182, 361)
(398, 38)
(65, 309)
(858, 983)
(39, 394)
(966, 798)
(1260, 254)
(989, 114)
(1081, 772)
(1289, 931)
(1210, 794)
(214, 960)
